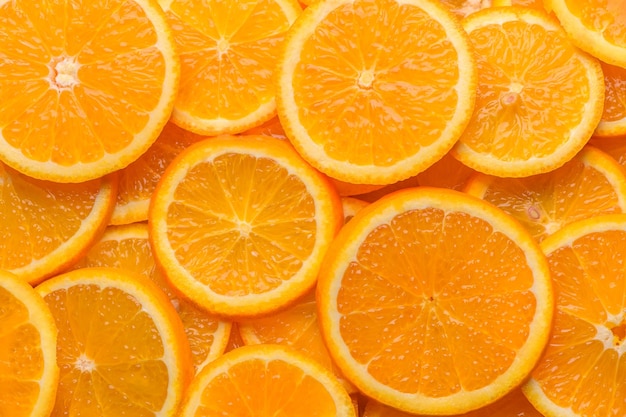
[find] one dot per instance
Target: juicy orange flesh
(75, 92)
(448, 172)
(424, 302)
(21, 358)
(614, 146)
(272, 128)
(39, 216)
(134, 254)
(228, 51)
(109, 351)
(546, 202)
(518, 64)
(376, 82)
(590, 289)
(607, 17)
(263, 388)
(615, 98)
(241, 224)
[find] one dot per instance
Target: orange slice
(296, 327)
(240, 224)
(434, 302)
(234, 341)
(47, 226)
(613, 122)
(121, 346)
(539, 98)
(84, 88)
(351, 206)
(614, 146)
(28, 335)
(127, 247)
(138, 180)
(514, 404)
(365, 97)
(270, 128)
(583, 370)
(589, 184)
(228, 51)
(448, 172)
(266, 380)
(462, 8)
(595, 26)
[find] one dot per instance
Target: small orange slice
(47, 226)
(583, 369)
(138, 180)
(28, 335)
(240, 224)
(375, 91)
(263, 381)
(589, 184)
(613, 122)
(595, 26)
(434, 302)
(127, 247)
(121, 347)
(85, 88)
(539, 98)
(228, 51)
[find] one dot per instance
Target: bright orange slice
(138, 180)
(263, 381)
(614, 146)
(595, 26)
(28, 355)
(228, 51)
(613, 122)
(85, 88)
(583, 370)
(121, 348)
(589, 184)
(539, 97)
(375, 91)
(240, 224)
(434, 302)
(46, 226)
(127, 247)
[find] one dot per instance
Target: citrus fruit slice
(595, 26)
(270, 128)
(240, 224)
(228, 51)
(372, 92)
(351, 206)
(583, 369)
(121, 347)
(613, 122)
(138, 181)
(266, 380)
(296, 327)
(589, 184)
(85, 88)
(47, 226)
(539, 98)
(613, 146)
(513, 404)
(444, 289)
(28, 335)
(127, 247)
(462, 8)
(234, 341)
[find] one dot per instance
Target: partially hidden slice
(613, 122)
(375, 91)
(28, 355)
(121, 346)
(240, 224)
(583, 369)
(266, 380)
(444, 289)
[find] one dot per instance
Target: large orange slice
(375, 91)
(240, 224)
(434, 302)
(46, 226)
(28, 336)
(121, 346)
(228, 51)
(583, 370)
(539, 97)
(85, 87)
(263, 381)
